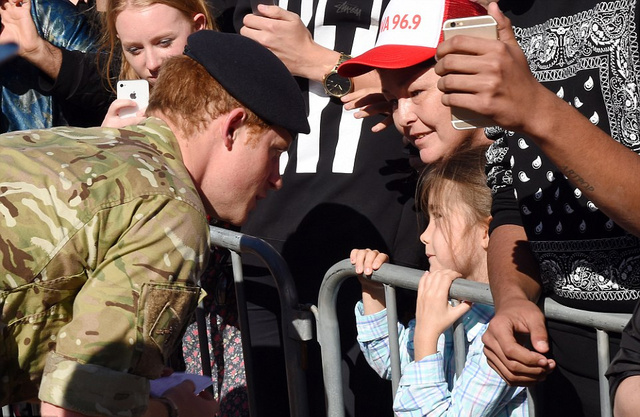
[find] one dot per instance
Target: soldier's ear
(231, 125)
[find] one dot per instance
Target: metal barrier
(297, 321)
(397, 276)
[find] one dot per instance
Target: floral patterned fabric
(223, 335)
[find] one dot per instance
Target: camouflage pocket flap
(163, 314)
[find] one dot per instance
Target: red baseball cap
(410, 31)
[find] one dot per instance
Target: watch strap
(343, 57)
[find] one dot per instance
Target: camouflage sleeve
(143, 263)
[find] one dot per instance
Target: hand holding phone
(481, 27)
(136, 90)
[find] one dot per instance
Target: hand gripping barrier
(397, 276)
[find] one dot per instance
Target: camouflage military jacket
(102, 239)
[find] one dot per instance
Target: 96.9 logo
(400, 22)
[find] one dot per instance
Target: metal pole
(394, 347)
(243, 320)
(603, 364)
(296, 324)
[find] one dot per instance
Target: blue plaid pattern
(429, 387)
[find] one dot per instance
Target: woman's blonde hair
(110, 43)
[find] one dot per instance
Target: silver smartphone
(136, 90)
(481, 27)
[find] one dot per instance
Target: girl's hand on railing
(365, 261)
(434, 314)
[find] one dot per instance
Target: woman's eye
(133, 50)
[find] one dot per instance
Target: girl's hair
(191, 102)
(110, 43)
(459, 179)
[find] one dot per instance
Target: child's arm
(434, 314)
(371, 317)
(365, 262)
(425, 386)
(373, 338)
(479, 391)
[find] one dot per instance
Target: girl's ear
(199, 22)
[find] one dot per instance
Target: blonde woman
(137, 36)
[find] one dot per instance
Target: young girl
(457, 201)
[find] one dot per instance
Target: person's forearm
(603, 169)
(373, 299)
(513, 271)
(425, 342)
(46, 57)
(321, 62)
(318, 62)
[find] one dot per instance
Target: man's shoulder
(87, 169)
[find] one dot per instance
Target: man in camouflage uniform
(104, 232)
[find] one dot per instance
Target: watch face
(337, 85)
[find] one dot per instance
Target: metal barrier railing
(398, 276)
(297, 321)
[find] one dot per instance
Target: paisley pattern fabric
(590, 59)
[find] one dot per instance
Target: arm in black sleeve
(80, 89)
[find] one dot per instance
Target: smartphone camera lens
(453, 24)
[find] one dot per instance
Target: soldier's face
(251, 168)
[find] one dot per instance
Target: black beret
(253, 75)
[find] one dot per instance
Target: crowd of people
(284, 130)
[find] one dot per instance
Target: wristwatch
(335, 84)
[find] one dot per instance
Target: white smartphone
(481, 27)
(136, 90)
